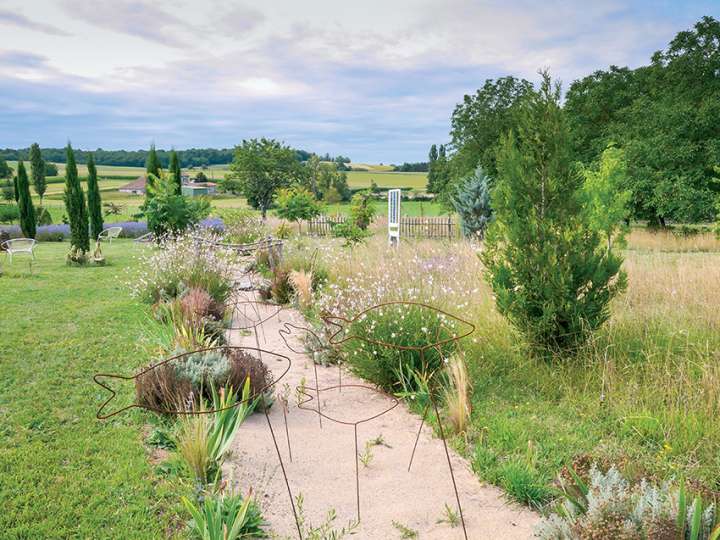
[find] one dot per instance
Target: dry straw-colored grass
(654, 367)
(457, 394)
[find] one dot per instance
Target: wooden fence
(412, 227)
(428, 227)
(322, 225)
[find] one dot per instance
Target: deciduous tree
(262, 166)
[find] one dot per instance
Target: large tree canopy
(664, 116)
(481, 119)
(261, 167)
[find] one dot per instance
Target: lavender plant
(610, 507)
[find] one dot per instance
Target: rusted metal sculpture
(101, 378)
(344, 334)
(309, 397)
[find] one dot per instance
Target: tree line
(193, 157)
(661, 116)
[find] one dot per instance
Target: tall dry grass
(650, 376)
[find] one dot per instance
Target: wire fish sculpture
(452, 330)
(171, 363)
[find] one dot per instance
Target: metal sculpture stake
(98, 378)
(250, 312)
(355, 424)
(344, 324)
(315, 346)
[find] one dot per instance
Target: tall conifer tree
(25, 205)
(75, 204)
(551, 275)
(176, 172)
(93, 199)
(37, 164)
(152, 169)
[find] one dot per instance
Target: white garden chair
(110, 233)
(20, 245)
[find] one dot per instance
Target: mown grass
(64, 473)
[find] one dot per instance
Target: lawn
(66, 474)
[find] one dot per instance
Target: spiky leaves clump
(94, 200)
(37, 164)
(75, 205)
(471, 201)
(543, 258)
(25, 205)
(176, 172)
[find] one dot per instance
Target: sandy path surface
(323, 461)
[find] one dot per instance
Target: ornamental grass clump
(182, 263)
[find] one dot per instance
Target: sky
(376, 80)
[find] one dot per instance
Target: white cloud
(384, 73)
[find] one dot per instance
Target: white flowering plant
(182, 262)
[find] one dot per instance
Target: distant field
(356, 179)
(388, 179)
(369, 167)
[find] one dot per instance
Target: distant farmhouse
(189, 188)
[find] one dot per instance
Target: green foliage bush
(350, 232)
(402, 325)
(9, 213)
(168, 212)
(551, 277)
(362, 211)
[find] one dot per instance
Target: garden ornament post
(394, 217)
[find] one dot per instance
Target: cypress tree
(93, 199)
(75, 204)
(175, 172)
(37, 164)
(152, 169)
(16, 191)
(551, 275)
(25, 205)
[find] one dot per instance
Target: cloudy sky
(374, 79)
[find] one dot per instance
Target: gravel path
(323, 461)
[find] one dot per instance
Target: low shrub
(182, 264)
(399, 325)
(608, 506)
(192, 377)
(242, 226)
(280, 288)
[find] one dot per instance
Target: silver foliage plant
(610, 507)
